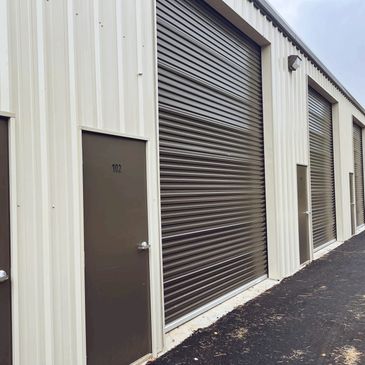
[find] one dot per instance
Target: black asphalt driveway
(316, 316)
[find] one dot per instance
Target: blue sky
(335, 31)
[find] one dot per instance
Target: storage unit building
(160, 151)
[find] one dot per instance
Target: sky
(335, 31)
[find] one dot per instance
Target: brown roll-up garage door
(211, 157)
(359, 175)
(322, 169)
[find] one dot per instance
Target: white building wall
(68, 64)
(73, 64)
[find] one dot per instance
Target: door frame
(14, 267)
(355, 120)
(336, 151)
(360, 228)
(352, 202)
(309, 207)
(155, 254)
(309, 172)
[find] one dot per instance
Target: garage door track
(316, 317)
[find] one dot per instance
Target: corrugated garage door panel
(359, 175)
(322, 169)
(211, 156)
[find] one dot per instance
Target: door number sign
(117, 168)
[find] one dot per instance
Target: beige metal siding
(71, 64)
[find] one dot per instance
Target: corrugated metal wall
(69, 63)
(73, 63)
(4, 58)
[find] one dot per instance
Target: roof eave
(283, 26)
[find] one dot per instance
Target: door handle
(3, 276)
(307, 212)
(143, 246)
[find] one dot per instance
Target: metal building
(158, 157)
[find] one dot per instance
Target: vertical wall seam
(140, 75)
(46, 238)
(120, 65)
(98, 84)
(4, 59)
(79, 291)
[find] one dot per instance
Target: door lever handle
(3, 276)
(143, 246)
(307, 212)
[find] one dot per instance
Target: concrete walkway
(316, 317)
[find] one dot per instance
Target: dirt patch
(294, 355)
(239, 333)
(275, 317)
(348, 355)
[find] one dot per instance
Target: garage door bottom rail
(169, 327)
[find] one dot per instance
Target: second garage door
(322, 169)
(359, 174)
(211, 157)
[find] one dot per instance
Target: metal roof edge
(283, 26)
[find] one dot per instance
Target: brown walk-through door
(116, 264)
(5, 288)
(303, 213)
(352, 203)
